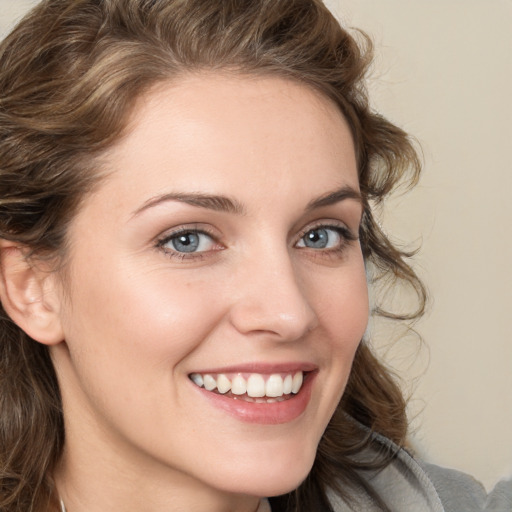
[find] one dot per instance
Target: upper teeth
(255, 385)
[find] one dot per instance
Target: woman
(186, 232)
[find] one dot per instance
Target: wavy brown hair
(70, 74)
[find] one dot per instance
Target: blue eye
(188, 242)
(321, 238)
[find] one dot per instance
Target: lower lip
(267, 413)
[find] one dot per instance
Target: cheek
(342, 307)
(128, 336)
(344, 310)
(137, 324)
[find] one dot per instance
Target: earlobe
(29, 295)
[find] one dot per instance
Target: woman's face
(221, 251)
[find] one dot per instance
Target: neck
(263, 506)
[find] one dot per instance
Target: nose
(272, 299)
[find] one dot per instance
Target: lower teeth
(250, 399)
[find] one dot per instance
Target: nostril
(287, 320)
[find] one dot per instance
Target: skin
(137, 318)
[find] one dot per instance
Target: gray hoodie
(410, 485)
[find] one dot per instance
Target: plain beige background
(443, 71)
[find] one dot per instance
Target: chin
(263, 486)
(271, 476)
(283, 485)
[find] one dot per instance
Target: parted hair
(70, 75)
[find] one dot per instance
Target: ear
(29, 295)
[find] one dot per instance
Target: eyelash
(345, 234)
(346, 237)
(168, 238)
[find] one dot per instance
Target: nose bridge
(271, 297)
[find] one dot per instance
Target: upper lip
(264, 368)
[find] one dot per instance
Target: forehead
(227, 133)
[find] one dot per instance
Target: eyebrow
(210, 202)
(230, 205)
(342, 194)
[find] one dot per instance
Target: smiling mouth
(253, 387)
